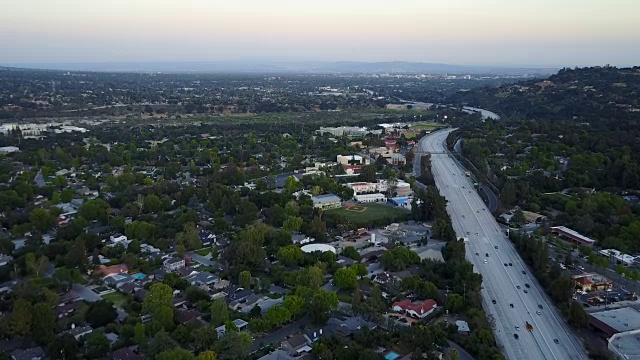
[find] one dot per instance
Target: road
(488, 249)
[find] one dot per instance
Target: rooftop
(326, 198)
(572, 233)
(626, 345)
(623, 319)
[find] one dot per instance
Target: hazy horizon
(540, 33)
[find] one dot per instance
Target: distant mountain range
(340, 67)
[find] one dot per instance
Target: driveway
(202, 259)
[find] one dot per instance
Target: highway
(491, 252)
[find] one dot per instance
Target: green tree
(454, 303)
(139, 335)
(96, 345)
(20, 318)
(204, 337)
(152, 203)
(293, 303)
(314, 277)
(160, 343)
(351, 253)
(43, 330)
(577, 316)
(454, 354)
(163, 318)
(66, 195)
(41, 219)
(321, 304)
(290, 255)
(359, 269)
(207, 355)
(101, 313)
(34, 265)
(292, 224)
(77, 254)
(96, 209)
(233, 346)
(317, 229)
(244, 279)
(159, 295)
(219, 312)
(345, 279)
(189, 237)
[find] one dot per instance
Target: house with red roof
(111, 270)
(418, 310)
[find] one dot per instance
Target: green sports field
(362, 215)
(427, 125)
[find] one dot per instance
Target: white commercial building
(369, 198)
(369, 187)
(352, 160)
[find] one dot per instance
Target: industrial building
(615, 321)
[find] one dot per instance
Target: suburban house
(202, 279)
(296, 344)
(127, 353)
(35, 353)
(327, 201)
(418, 310)
(173, 264)
(78, 332)
(278, 355)
(103, 271)
(240, 324)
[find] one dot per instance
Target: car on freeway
(477, 254)
(505, 264)
(476, 234)
(524, 272)
(525, 291)
(540, 307)
(511, 305)
(493, 301)
(517, 327)
(556, 341)
(470, 193)
(518, 287)
(486, 254)
(510, 264)
(468, 233)
(485, 261)
(527, 285)
(538, 312)
(515, 336)
(495, 246)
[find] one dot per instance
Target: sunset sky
(471, 32)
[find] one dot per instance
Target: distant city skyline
(530, 33)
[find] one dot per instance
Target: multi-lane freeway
(511, 295)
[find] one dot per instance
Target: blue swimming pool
(391, 355)
(139, 276)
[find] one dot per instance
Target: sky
(550, 33)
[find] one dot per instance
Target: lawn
(364, 215)
(409, 135)
(427, 125)
(116, 298)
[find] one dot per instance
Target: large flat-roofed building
(327, 201)
(611, 322)
(626, 345)
(572, 236)
(592, 282)
(368, 198)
